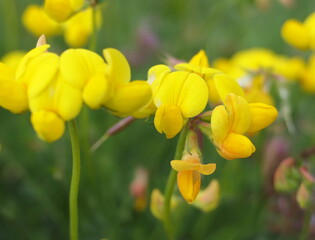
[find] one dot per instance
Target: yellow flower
(105, 84)
(189, 175)
(157, 204)
(38, 22)
(294, 33)
(230, 122)
(60, 10)
(181, 95)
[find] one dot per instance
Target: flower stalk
(171, 184)
(75, 179)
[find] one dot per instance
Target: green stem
(171, 184)
(74, 188)
(92, 45)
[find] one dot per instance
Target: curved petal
(200, 59)
(27, 58)
(67, 100)
(168, 119)
(48, 126)
(226, 85)
(119, 70)
(193, 96)
(219, 123)
(181, 165)
(36, 21)
(236, 146)
(78, 65)
(206, 169)
(129, 98)
(13, 95)
(41, 72)
(293, 28)
(189, 184)
(96, 91)
(262, 116)
(240, 116)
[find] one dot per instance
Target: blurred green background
(35, 176)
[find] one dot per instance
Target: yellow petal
(214, 96)
(36, 21)
(48, 126)
(186, 90)
(76, 4)
(156, 75)
(41, 72)
(168, 119)
(60, 10)
(95, 92)
(240, 116)
(76, 36)
(119, 70)
(78, 65)
(226, 85)
(262, 116)
(67, 100)
(236, 146)
(130, 97)
(188, 183)
(13, 95)
(206, 169)
(23, 65)
(181, 165)
(193, 96)
(294, 33)
(189, 68)
(200, 59)
(219, 123)
(13, 58)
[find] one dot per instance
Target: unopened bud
(287, 176)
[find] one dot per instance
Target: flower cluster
(70, 18)
(54, 87)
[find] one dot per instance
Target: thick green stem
(171, 184)
(74, 188)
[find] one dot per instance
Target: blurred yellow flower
(208, 199)
(294, 33)
(79, 27)
(36, 21)
(60, 10)
(157, 204)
